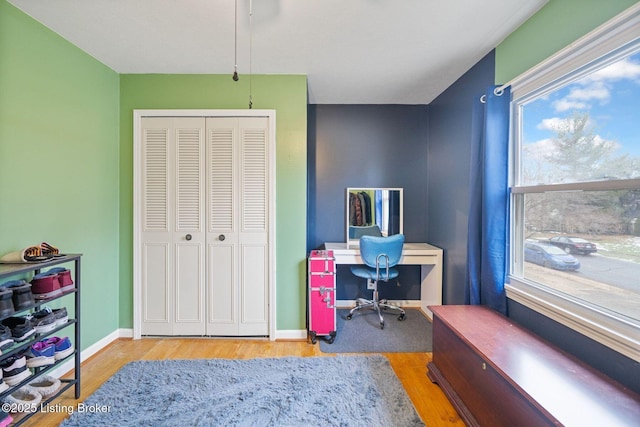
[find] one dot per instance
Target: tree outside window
(579, 179)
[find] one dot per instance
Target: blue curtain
(488, 202)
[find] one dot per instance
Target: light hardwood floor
(429, 401)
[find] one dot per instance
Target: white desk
(428, 257)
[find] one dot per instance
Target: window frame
(607, 44)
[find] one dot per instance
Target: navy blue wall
(448, 172)
(448, 176)
(425, 150)
(366, 146)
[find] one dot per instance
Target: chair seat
(370, 273)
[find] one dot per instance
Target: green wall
(66, 171)
(59, 159)
(285, 94)
(66, 162)
(555, 26)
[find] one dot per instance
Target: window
(575, 196)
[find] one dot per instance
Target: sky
(610, 95)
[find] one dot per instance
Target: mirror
(373, 211)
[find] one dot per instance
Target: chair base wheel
(401, 317)
(349, 316)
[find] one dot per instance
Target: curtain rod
(497, 91)
(621, 23)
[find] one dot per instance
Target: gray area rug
(291, 391)
(362, 334)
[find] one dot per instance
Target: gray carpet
(291, 391)
(362, 334)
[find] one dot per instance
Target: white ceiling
(353, 51)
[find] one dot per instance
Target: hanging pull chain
(235, 46)
(250, 52)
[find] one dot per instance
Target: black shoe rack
(25, 269)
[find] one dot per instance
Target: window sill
(617, 333)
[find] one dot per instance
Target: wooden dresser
(496, 373)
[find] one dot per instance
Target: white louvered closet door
(173, 233)
(204, 227)
(237, 226)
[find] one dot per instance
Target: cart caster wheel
(313, 338)
(401, 317)
(349, 316)
(332, 336)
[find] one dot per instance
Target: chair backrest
(371, 247)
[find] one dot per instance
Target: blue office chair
(379, 255)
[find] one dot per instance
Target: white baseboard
(69, 365)
(125, 333)
(291, 334)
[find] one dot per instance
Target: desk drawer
(409, 259)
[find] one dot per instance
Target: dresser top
(566, 387)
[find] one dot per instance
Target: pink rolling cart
(322, 295)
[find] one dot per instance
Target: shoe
(44, 320)
(45, 385)
(24, 399)
(5, 418)
(64, 278)
(14, 370)
(49, 250)
(21, 328)
(63, 347)
(61, 316)
(22, 296)
(40, 354)
(30, 253)
(45, 285)
(6, 303)
(5, 337)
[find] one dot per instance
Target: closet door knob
(221, 237)
(188, 237)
